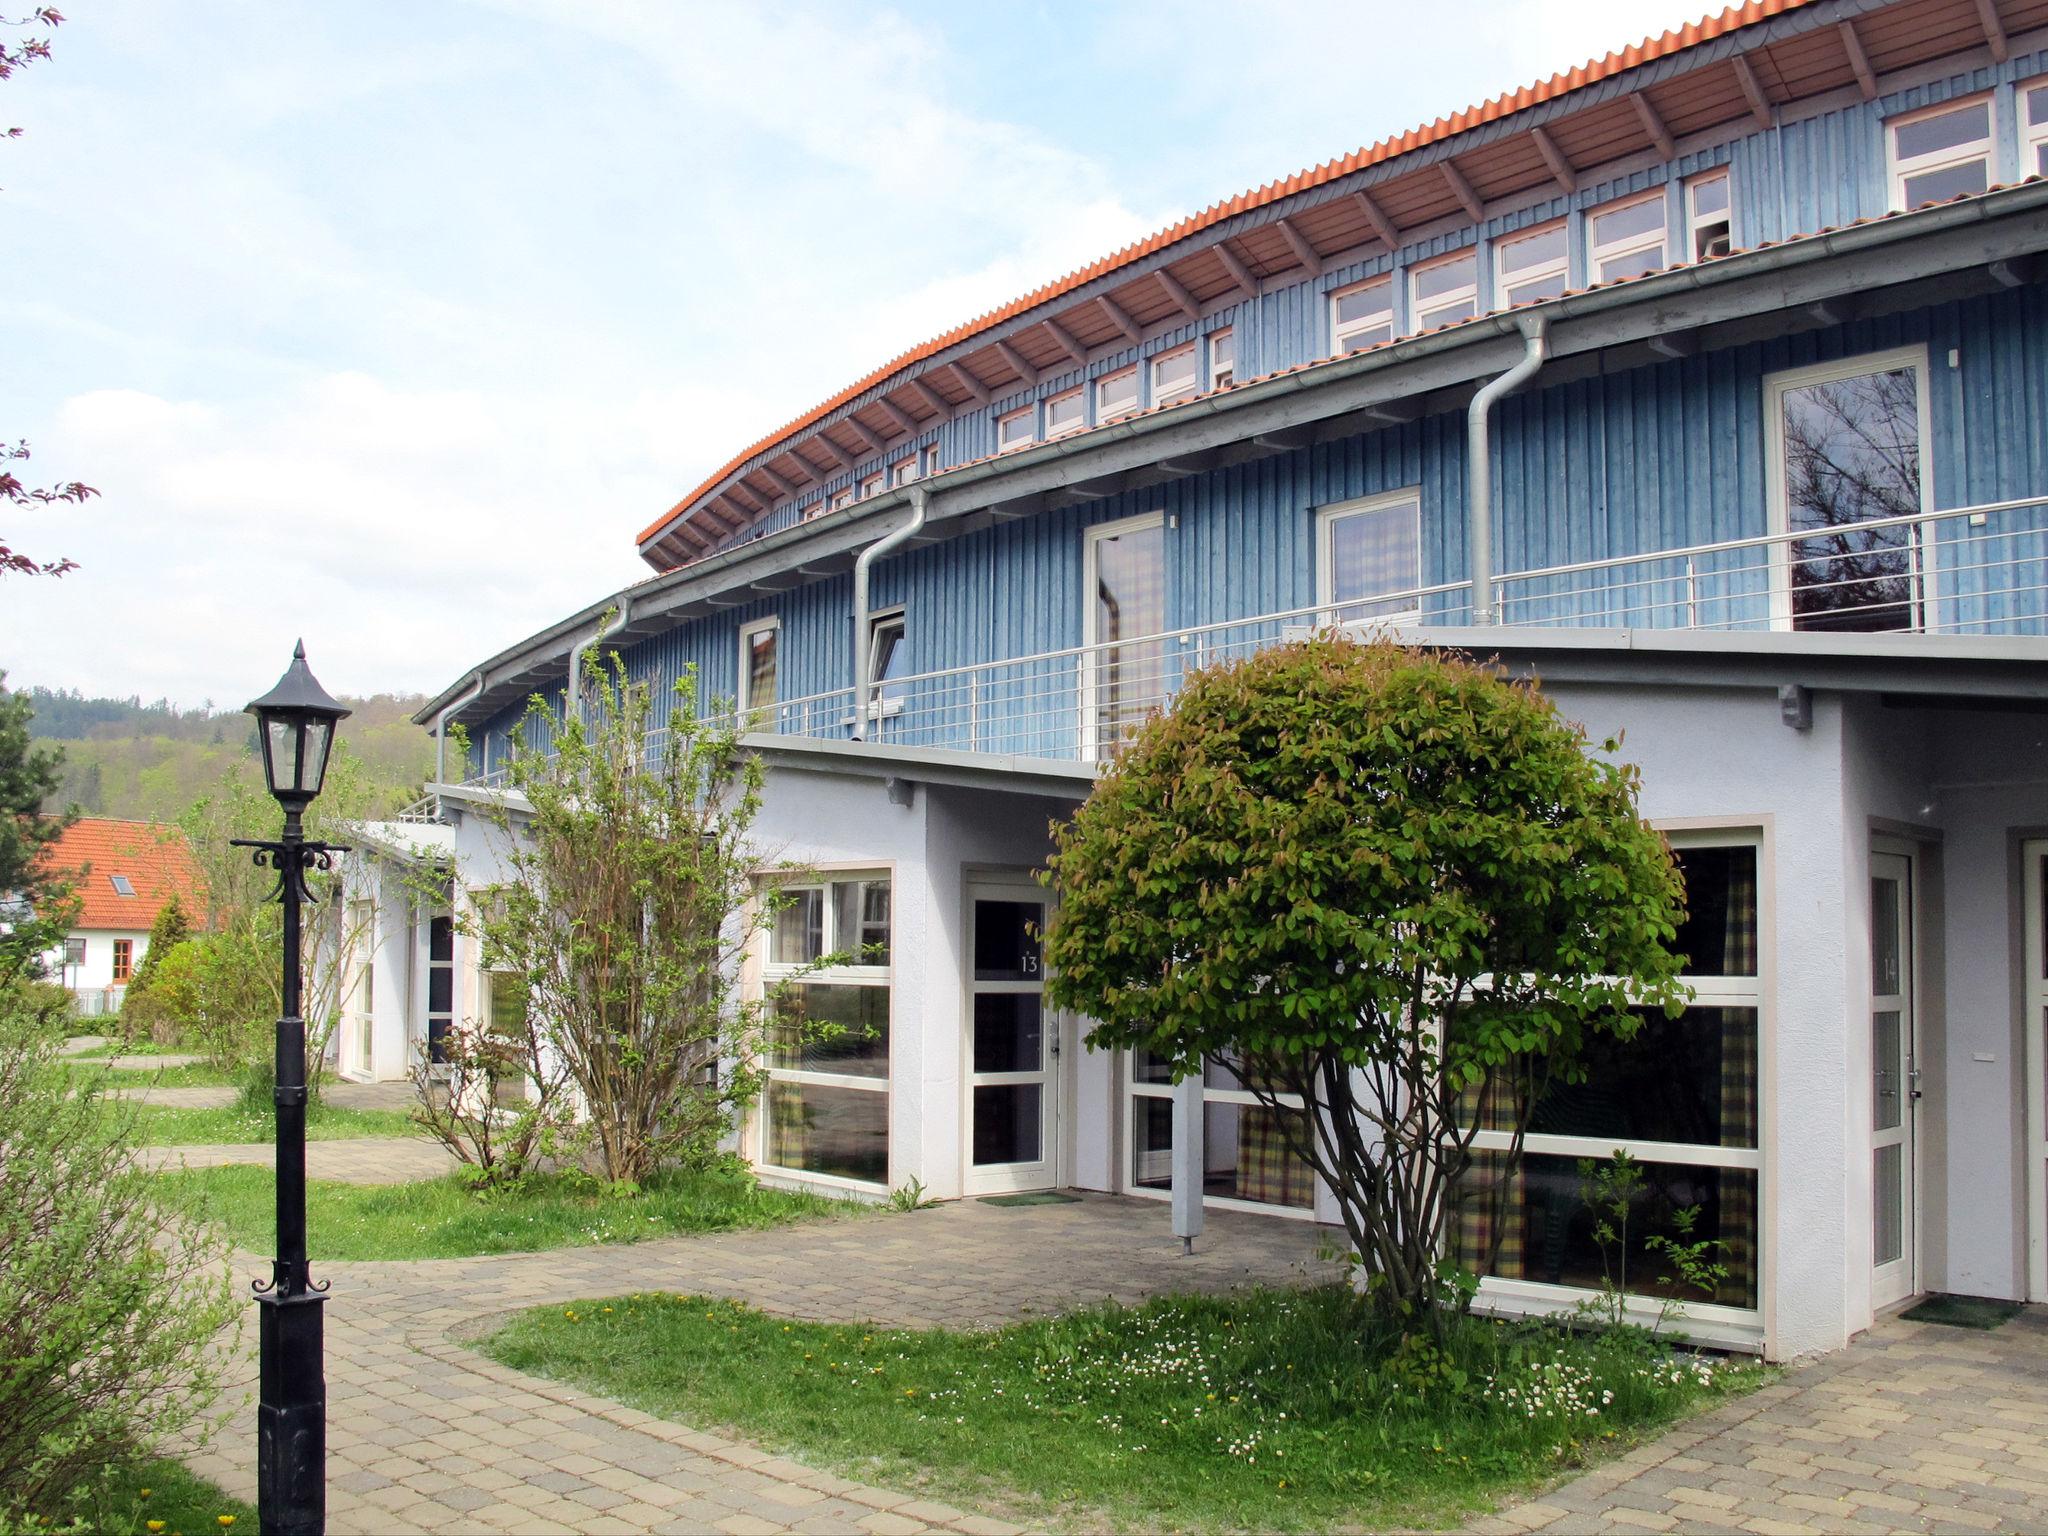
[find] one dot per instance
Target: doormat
(1962, 1311)
(1034, 1197)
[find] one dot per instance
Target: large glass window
(1019, 429)
(2034, 129)
(1532, 266)
(1065, 413)
(1846, 453)
(1628, 238)
(1445, 292)
(1680, 1096)
(760, 642)
(1125, 675)
(1173, 376)
(1940, 154)
(826, 1108)
(1247, 1156)
(1370, 559)
(1362, 317)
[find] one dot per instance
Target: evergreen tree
(35, 901)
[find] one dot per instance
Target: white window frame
(2033, 135)
(845, 498)
(362, 985)
(1028, 415)
(1077, 398)
(1134, 1090)
(770, 625)
(1705, 1322)
(771, 972)
(1342, 331)
(1598, 254)
(880, 706)
(929, 461)
(1091, 637)
(1173, 395)
(870, 485)
(1104, 411)
(1897, 171)
(902, 472)
(1779, 513)
(1450, 298)
(1558, 266)
(1695, 221)
(1216, 374)
(1327, 519)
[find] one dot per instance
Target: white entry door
(2035, 858)
(1893, 1078)
(1012, 1043)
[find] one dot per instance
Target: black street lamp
(295, 722)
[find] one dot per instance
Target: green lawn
(1259, 1410)
(441, 1219)
(172, 1125)
(162, 1490)
(110, 1073)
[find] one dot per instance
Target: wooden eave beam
(1120, 317)
(1019, 364)
(1653, 125)
(1461, 189)
(1395, 413)
(718, 515)
(970, 383)
(2015, 272)
(750, 505)
(1067, 341)
(1752, 90)
(1097, 487)
(782, 484)
(1175, 291)
(1376, 216)
(866, 433)
(1859, 61)
(889, 408)
(1676, 344)
(1240, 274)
(840, 456)
(1297, 242)
(930, 396)
(1994, 30)
(1561, 168)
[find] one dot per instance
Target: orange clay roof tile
(1677, 40)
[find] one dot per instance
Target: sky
(390, 325)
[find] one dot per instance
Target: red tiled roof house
(122, 872)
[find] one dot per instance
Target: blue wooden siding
(1805, 173)
(1617, 464)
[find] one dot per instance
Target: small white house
(122, 872)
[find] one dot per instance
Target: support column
(1188, 1160)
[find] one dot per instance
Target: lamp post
(295, 723)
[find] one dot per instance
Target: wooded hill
(151, 762)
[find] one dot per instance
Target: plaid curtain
(1267, 1170)
(1482, 1199)
(1738, 1097)
(789, 1126)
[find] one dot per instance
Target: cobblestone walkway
(424, 1434)
(1912, 1428)
(360, 1160)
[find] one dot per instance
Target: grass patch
(442, 1219)
(167, 1125)
(1260, 1410)
(110, 1073)
(159, 1490)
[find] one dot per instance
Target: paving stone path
(424, 1434)
(1914, 1427)
(361, 1160)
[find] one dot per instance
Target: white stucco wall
(98, 970)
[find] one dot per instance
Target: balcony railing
(1970, 570)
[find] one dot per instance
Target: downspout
(863, 657)
(576, 664)
(1479, 464)
(441, 727)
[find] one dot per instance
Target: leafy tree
(141, 1007)
(36, 904)
(626, 906)
(1384, 885)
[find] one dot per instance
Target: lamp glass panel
(283, 754)
(319, 733)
